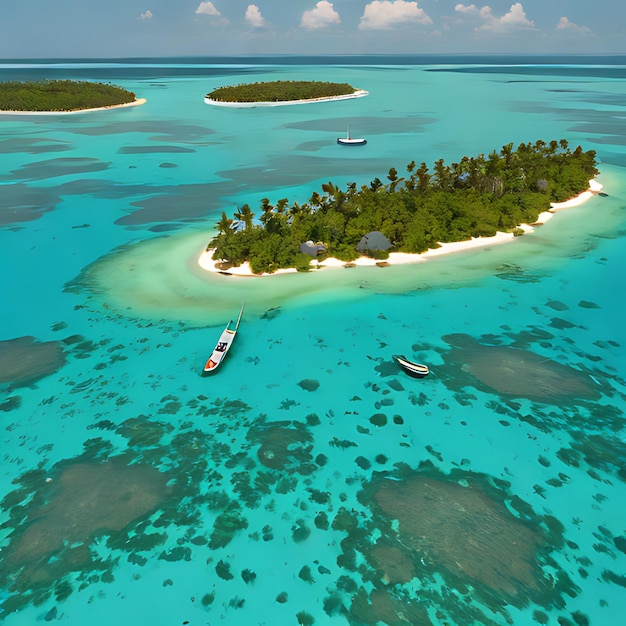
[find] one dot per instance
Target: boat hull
(342, 141)
(219, 353)
(415, 370)
(222, 347)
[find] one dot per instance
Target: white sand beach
(206, 261)
(135, 103)
(359, 93)
(594, 188)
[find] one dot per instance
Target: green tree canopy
(475, 197)
(280, 91)
(60, 95)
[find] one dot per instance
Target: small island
(281, 92)
(476, 198)
(62, 96)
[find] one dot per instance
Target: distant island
(62, 96)
(474, 198)
(281, 92)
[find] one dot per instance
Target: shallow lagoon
(269, 508)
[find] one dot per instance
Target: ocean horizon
(309, 481)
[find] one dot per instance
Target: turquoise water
(309, 479)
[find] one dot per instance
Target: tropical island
(281, 92)
(62, 96)
(477, 197)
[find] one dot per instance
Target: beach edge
(134, 103)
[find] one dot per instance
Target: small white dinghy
(416, 370)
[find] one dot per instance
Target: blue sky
(118, 28)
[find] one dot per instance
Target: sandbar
(206, 261)
(359, 93)
(74, 111)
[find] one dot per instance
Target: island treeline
(280, 91)
(475, 197)
(60, 95)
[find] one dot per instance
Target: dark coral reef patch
(75, 504)
(24, 360)
(424, 526)
(463, 531)
(285, 445)
(516, 372)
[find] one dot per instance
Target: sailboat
(223, 346)
(350, 141)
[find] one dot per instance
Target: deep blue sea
(309, 481)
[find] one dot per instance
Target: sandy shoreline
(206, 262)
(359, 93)
(135, 103)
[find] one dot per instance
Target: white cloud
(147, 15)
(566, 25)
(514, 19)
(322, 15)
(385, 14)
(207, 8)
(470, 9)
(254, 17)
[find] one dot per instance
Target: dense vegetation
(475, 197)
(60, 95)
(280, 91)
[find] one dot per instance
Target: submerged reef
(24, 360)
(427, 542)
(285, 445)
(381, 606)
(403, 544)
(518, 373)
(69, 508)
(463, 531)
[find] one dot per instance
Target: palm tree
(329, 188)
(409, 183)
(442, 174)
(492, 182)
(224, 225)
(281, 204)
(423, 177)
(376, 184)
(506, 152)
(297, 211)
(351, 187)
(245, 215)
(315, 199)
(392, 176)
(267, 209)
(265, 205)
(334, 194)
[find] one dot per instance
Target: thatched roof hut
(374, 240)
(312, 249)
